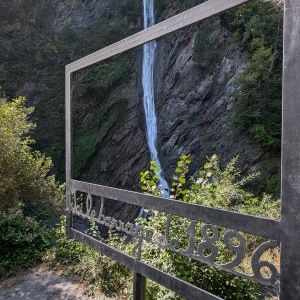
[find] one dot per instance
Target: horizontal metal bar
(178, 286)
(233, 220)
(193, 15)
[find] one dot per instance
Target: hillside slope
(195, 72)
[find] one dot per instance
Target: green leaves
(182, 180)
(178, 170)
(24, 172)
(208, 165)
(150, 180)
(202, 172)
(257, 108)
(178, 191)
(213, 187)
(153, 167)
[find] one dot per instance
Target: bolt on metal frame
(286, 231)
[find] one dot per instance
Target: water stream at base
(148, 100)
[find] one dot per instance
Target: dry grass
(271, 255)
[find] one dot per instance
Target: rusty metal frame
(286, 230)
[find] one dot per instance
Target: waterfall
(148, 100)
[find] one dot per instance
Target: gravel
(43, 285)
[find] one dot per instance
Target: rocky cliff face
(195, 70)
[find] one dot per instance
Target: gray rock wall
(195, 71)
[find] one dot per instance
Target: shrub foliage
(212, 187)
(23, 172)
(28, 242)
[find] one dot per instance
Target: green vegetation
(100, 273)
(24, 172)
(25, 182)
(87, 142)
(213, 187)
(26, 242)
(258, 25)
(258, 88)
(23, 241)
(97, 84)
(105, 109)
(34, 58)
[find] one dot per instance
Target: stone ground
(38, 284)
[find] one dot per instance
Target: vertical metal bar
(68, 128)
(290, 176)
(139, 287)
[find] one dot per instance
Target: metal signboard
(284, 233)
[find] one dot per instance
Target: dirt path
(43, 285)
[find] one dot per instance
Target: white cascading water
(148, 87)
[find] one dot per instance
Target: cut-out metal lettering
(205, 251)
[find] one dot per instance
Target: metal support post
(139, 287)
(68, 126)
(290, 180)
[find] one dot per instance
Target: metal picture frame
(284, 232)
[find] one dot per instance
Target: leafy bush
(28, 242)
(62, 250)
(17, 231)
(101, 273)
(215, 188)
(22, 240)
(95, 270)
(25, 242)
(24, 172)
